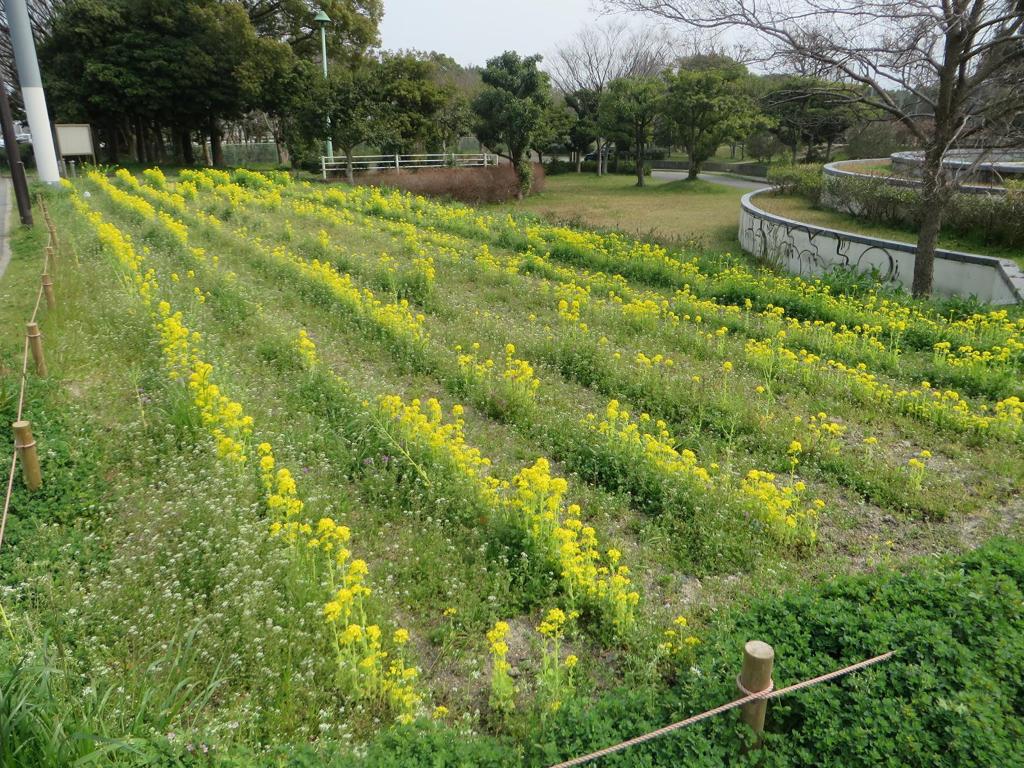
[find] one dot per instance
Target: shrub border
(833, 169)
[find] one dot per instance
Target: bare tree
(960, 60)
(599, 54)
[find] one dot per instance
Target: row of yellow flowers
(370, 672)
(943, 407)
(782, 508)
(532, 501)
(590, 575)
(396, 321)
(785, 515)
(873, 314)
(773, 356)
(843, 342)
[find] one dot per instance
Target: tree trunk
(349, 172)
(828, 151)
(187, 154)
(158, 144)
(693, 170)
(140, 142)
(112, 144)
(523, 173)
(283, 155)
(178, 146)
(216, 148)
(599, 155)
(933, 203)
(639, 161)
(579, 161)
(796, 150)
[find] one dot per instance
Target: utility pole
(14, 157)
(323, 20)
(32, 90)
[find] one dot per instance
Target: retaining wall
(806, 249)
(996, 166)
(845, 168)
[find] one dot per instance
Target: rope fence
(24, 443)
(750, 697)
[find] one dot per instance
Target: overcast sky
(472, 31)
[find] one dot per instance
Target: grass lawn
(666, 211)
(796, 207)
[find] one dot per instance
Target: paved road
(5, 220)
(714, 178)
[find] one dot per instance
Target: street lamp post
(323, 20)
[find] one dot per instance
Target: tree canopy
(706, 105)
(630, 106)
(511, 107)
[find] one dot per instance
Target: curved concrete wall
(805, 249)
(834, 170)
(1000, 164)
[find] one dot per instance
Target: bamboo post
(51, 263)
(756, 676)
(27, 454)
(51, 299)
(35, 342)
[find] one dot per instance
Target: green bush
(803, 180)
(872, 197)
(989, 219)
(952, 695)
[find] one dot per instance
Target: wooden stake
(51, 262)
(27, 454)
(758, 659)
(35, 341)
(51, 300)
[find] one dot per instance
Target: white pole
(323, 50)
(32, 91)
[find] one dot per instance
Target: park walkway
(714, 178)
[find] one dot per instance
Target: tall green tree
(150, 65)
(352, 99)
(354, 27)
(511, 108)
(583, 131)
(553, 132)
(411, 100)
(632, 105)
(807, 111)
(707, 105)
(278, 84)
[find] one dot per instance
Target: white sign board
(74, 139)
